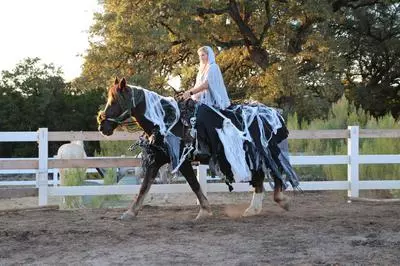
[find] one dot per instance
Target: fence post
(202, 178)
(42, 174)
(353, 166)
(56, 181)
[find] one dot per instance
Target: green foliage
(300, 56)
(370, 43)
(381, 146)
(111, 148)
(110, 178)
(277, 52)
(342, 115)
(116, 148)
(34, 95)
(73, 177)
(28, 94)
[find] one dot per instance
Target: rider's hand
(152, 139)
(186, 95)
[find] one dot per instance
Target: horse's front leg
(149, 176)
(279, 197)
(258, 195)
(187, 171)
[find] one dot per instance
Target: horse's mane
(112, 94)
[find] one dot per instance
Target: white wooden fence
(43, 163)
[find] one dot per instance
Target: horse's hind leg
(279, 197)
(258, 194)
(149, 176)
(187, 170)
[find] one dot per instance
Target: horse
(73, 150)
(126, 102)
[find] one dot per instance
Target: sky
(54, 30)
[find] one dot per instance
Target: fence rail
(43, 164)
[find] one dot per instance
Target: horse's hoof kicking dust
(127, 216)
(285, 205)
(283, 202)
(203, 214)
(251, 212)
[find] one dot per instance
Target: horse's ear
(116, 81)
(122, 84)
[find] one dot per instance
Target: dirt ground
(320, 228)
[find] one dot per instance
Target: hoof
(251, 212)
(284, 205)
(283, 202)
(127, 216)
(255, 205)
(203, 214)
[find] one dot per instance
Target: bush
(111, 148)
(117, 148)
(73, 177)
(341, 115)
(110, 178)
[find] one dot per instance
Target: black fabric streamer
(257, 156)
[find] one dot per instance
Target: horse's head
(118, 108)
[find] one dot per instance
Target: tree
(370, 32)
(30, 89)
(35, 95)
(276, 51)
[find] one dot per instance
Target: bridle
(126, 105)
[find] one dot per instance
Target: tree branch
(267, 24)
(296, 42)
(201, 11)
(253, 44)
(167, 27)
(243, 27)
(246, 15)
(336, 5)
(228, 44)
(173, 43)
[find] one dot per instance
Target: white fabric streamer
(248, 114)
(155, 112)
(272, 117)
(232, 140)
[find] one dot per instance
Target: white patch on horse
(255, 205)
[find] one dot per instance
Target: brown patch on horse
(112, 94)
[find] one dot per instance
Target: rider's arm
(203, 86)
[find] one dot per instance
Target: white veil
(216, 95)
(211, 55)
